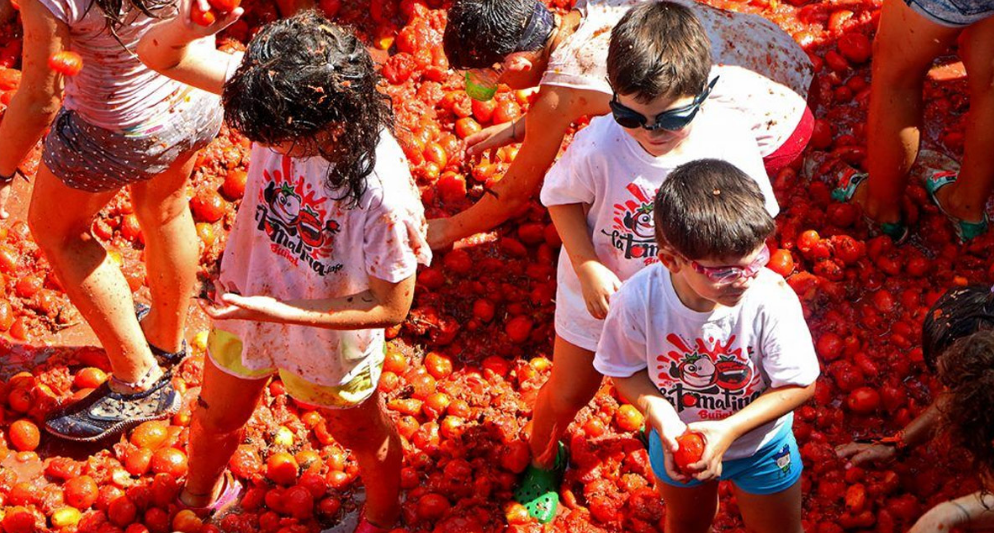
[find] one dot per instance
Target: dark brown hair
(967, 371)
(480, 33)
(658, 49)
(959, 312)
(709, 209)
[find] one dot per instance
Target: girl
(120, 125)
(323, 252)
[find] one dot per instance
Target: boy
(600, 194)
(521, 44)
(711, 342)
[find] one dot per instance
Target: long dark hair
(303, 77)
(959, 312)
(112, 11)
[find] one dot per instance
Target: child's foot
(227, 496)
(849, 189)
(104, 412)
(166, 359)
(965, 230)
(539, 490)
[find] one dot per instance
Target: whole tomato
(690, 451)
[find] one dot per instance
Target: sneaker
(539, 490)
(104, 413)
(164, 358)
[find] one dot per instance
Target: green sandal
(966, 231)
(539, 490)
(849, 180)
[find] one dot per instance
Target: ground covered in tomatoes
(463, 371)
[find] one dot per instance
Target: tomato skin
(224, 6)
(24, 435)
(203, 18)
(66, 62)
(690, 451)
(80, 492)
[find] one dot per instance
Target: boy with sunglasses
(600, 197)
(711, 342)
(521, 44)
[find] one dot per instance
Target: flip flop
(966, 231)
(165, 358)
(231, 491)
(539, 490)
(849, 180)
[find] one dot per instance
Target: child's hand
(661, 416)
(862, 452)
(197, 31)
(488, 139)
(718, 436)
(598, 283)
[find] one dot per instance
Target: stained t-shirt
(764, 73)
(710, 365)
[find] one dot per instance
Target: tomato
(234, 184)
(864, 400)
(80, 492)
(433, 506)
(224, 6)
(66, 62)
(483, 112)
(466, 126)
(690, 451)
(169, 461)
(781, 262)
(281, 468)
(198, 16)
(8, 259)
(207, 206)
(628, 418)
(122, 511)
(438, 365)
(29, 285)
(24, 435)
(299, 501)
(151, 435)
(855, 47)
(451, 187)
(518, 329)
(186, 521)
(506, 111)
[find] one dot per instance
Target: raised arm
(546, 124)
(185, 51)
(39, 96)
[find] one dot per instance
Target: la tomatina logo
(633, 231)
(710, 376)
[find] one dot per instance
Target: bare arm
(597, 281)
(39, 96)
(916, 432)
(973, 511)
(659, 414)
(546, 126)
(384, 304)
(185, 51)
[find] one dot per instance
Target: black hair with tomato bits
(304, 78)
(480, 33)
(709, 209)
(959, 312)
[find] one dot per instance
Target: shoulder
(390, 186)
(773, 297)
(646, 284)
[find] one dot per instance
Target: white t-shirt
(293, 240)
(114, 90)
(607, 170)
(764, 73)
(710, 365)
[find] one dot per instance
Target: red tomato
(466, 126)
(433, 506)
(204, 18)
(66, 62)
(690, 451)
(80, 492)
(224, 6)
(169, 461)
(855, 47)
(281, 468)
(150, 435)
(518, 329)
(628, 418)
(863, 401)
(24, 435)
(781, 262)
(207, 206)
(234, 184)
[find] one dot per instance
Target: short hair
(959, 312)
(480, 33)
(709, 209)
(966, 369)
(658, 49)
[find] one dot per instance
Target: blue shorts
(774, 468)
(953, 13)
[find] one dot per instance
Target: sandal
(231, 491)
(104, 413)
(849, 180)
(966, 231)
(164, 358)
(539, 490)
(365, 526)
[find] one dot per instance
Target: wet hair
(113, 11)
(967, 370)
(480, 33)
(304, 77)
(959, 312)
(709, 209)
(658, 49)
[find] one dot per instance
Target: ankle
(148, 378)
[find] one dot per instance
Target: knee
(155, 214)
(893, 66)
(49, 239)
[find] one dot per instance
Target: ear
(517, 62)
(669, 260)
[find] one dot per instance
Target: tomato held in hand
(204, 18)
(691, 450)
(224, 6)
(66, 62)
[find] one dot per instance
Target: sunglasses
(725, 275)
(669, 120)
(481, 83)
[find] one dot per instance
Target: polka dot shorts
(93, 159)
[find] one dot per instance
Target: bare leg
(903, 51)
(967, 198)
(573, 383)
(226, 403)
(93, 282)
(689, 509)
(772, 513)
(171, 251)
(368, 431)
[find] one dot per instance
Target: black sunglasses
(669, 120)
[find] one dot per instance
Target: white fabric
(606, 169)
(293, 240)
(710, 365)
(114, 90)
(764, 73)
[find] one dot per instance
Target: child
(121, 125)
(911, 36)
(967, 371)
(322, 255)
(711, 342)
(600, 192)
(520, 43)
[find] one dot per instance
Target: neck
(689, 297)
